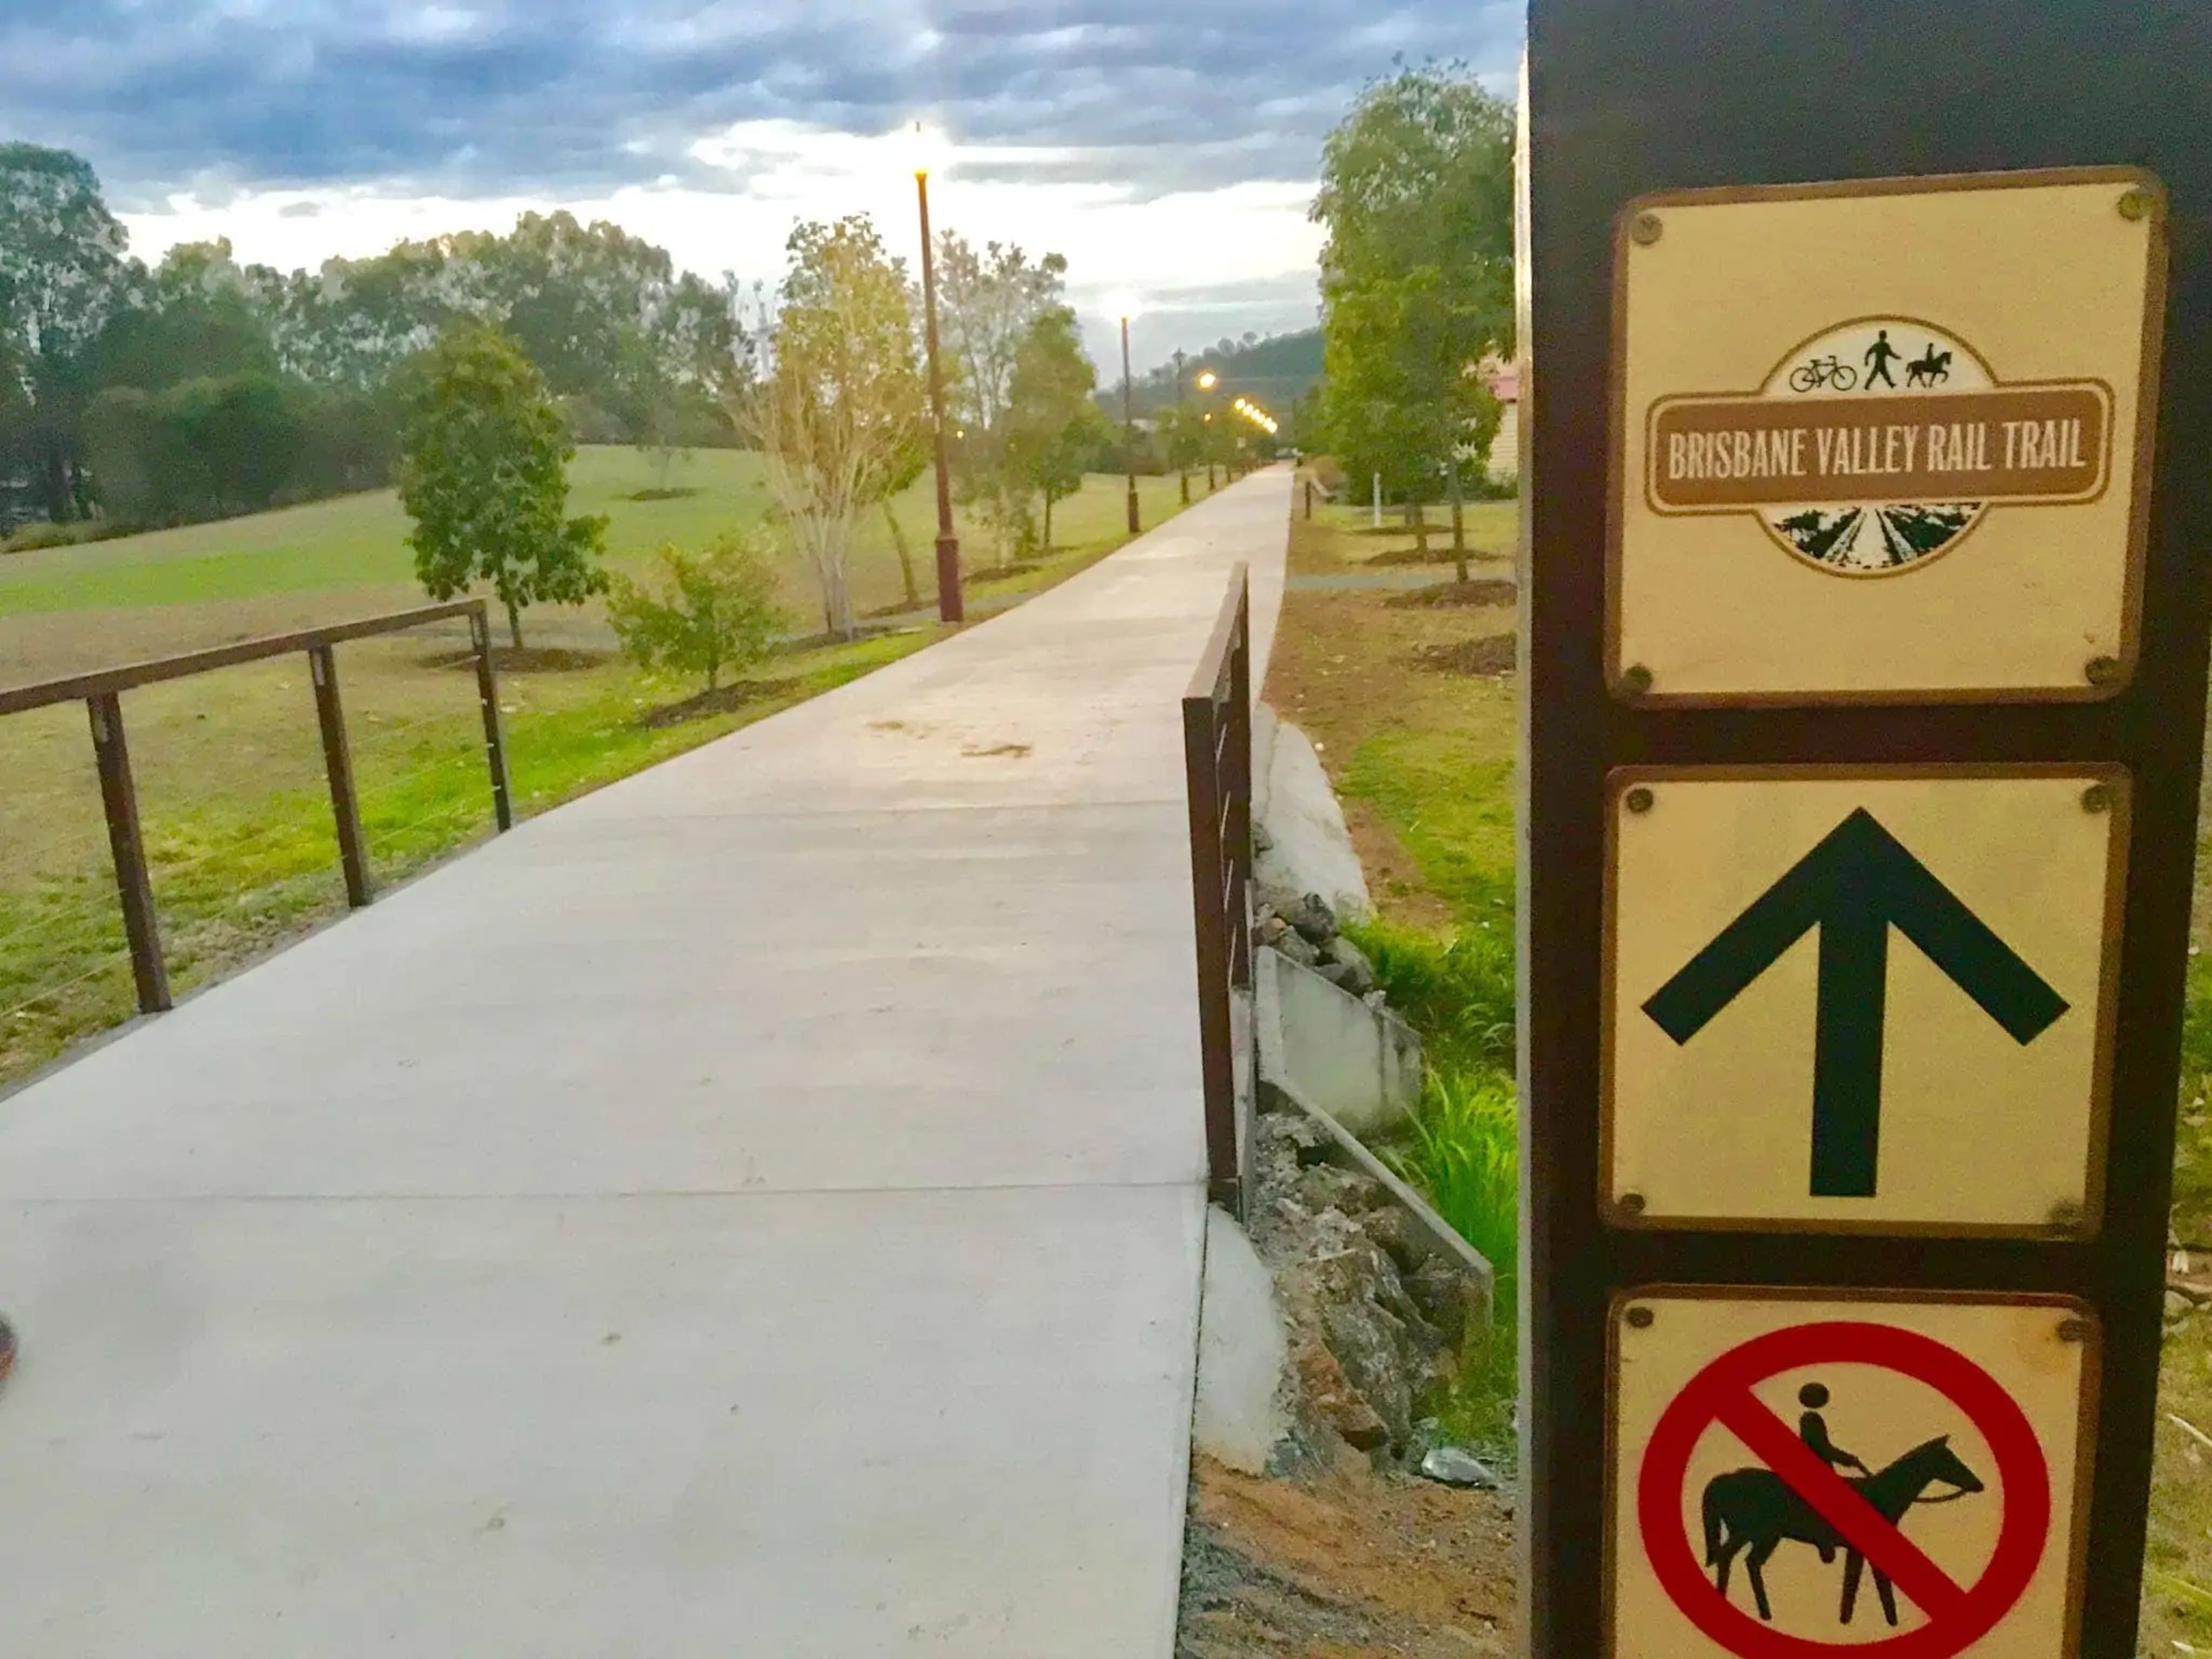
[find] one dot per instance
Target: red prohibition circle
(2023, 1531)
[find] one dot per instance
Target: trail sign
(1865, 617)
(1861, 998)
(1798, 1472)
(1901, 451)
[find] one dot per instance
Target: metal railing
(102, 690)
(1217, 764)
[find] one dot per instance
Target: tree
(836, 412)
(1402, 400)
(898, 476)
(1052, 425)
(1416, 279)
(62, 273)
(193, 317)
(721, 611)
(990, 301)
(483, 471)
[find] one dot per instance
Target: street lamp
(948, 606)
(1129, 417)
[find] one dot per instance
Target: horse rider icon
(1880, 356)
(1813, 1429)
(1753, 1511)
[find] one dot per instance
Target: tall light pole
(948, 606)
(1129, 427)
(1207, 381)
(1182, 438)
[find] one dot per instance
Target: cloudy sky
(1167, 148)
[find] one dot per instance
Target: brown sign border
(2129, 651)
(2114, 778)
(2085, 1432)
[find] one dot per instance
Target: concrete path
(755, 1211)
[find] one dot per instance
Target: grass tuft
(1458, 993)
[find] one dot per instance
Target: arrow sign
(1859, 882)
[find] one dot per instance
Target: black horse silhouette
(1757, 1509)
(1928, 370)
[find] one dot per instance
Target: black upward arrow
(1854, 886)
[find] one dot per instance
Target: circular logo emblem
(1876, 358)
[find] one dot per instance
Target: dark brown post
(338, 762)
(1238, 782)
(951, 606)
(1129, 429)
(1217, 1062)
(487, 693)
(132, 884)
(1731, 98)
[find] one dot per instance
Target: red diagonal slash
(1862, 1527)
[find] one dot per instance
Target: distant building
(1505, 459)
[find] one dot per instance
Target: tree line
(1416, 285)
(198, 387)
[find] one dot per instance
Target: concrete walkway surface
(753, 1210)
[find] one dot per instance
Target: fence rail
(1217, 766)
(102, 691)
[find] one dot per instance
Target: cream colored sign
(1840, 1000)
(1885, 441)
(1792, 1468)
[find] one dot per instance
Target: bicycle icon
(1823, 371)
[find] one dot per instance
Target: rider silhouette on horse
(1752, 1512)
(1813, 1429)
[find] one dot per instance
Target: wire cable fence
(225, 816)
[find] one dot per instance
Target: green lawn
(358, 542)
(229, 766)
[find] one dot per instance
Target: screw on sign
(1794, 1495)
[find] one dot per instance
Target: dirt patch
(1493, 590)
(722, 700)
(1007, 751)
(1439, 552)
(1005, 572)
(530, 659)
(1492, 656)
(1346, 1564)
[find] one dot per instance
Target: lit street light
(948, 606)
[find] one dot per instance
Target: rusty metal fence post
(119, 798)
(338, 760)
(487, 693)
(1218, 770)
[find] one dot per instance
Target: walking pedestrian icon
(1880, 356)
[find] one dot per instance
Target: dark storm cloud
(550, 97)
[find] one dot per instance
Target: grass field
(229, 765)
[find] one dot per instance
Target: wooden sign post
(1865, 606)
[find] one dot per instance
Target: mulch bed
(722, 700)
(1493, 590)
(1490, 656)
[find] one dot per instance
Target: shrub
(1466, 1155)
(721, 611)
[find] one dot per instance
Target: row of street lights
(949, 605)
